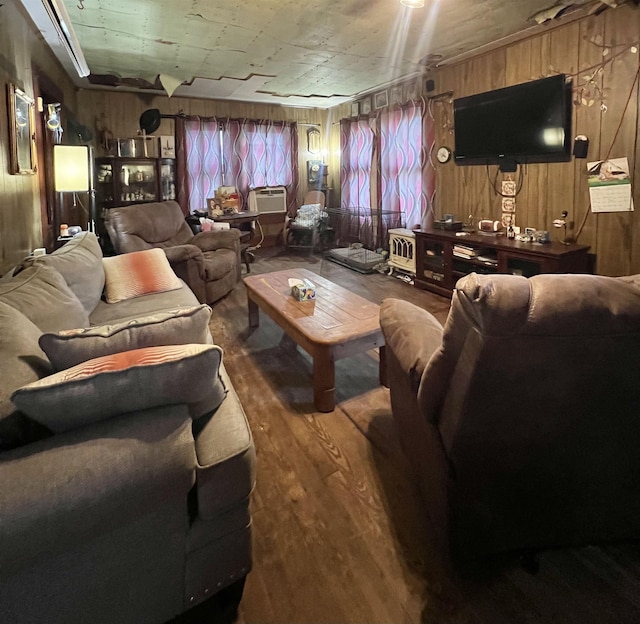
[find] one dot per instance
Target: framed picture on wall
(381, 99)
(22, 145)
(395, 95)
(167, 147)
(365, 106)
(355, 109)
(411, 91)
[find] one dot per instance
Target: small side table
(62, 240)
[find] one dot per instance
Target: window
(258, 153)
(245, 154)
(403, 183)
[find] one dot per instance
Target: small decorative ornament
(508, 204)
(443, 154)
(508, 188)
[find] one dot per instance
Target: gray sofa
(520, 415)
(132, 517)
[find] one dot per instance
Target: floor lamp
(73, 173)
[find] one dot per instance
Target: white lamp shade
(413, 4)
(71, 168)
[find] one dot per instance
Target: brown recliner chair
(520, 416)
(208, 262)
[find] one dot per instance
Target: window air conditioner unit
(271, 200)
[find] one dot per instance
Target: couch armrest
(219, 239)
(413, 339)
(187, 262)
(412, 335)
(184, 253)
(225, 475)
(75, 486)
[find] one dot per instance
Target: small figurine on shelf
(467, 226)
(214, 207)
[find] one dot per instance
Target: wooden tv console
(438, 268)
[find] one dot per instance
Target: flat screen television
(524, 123)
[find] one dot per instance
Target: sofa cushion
(138, 273)
(22, 362)
(181, 326)
(125, 382)
(109, 313)
(42, 295)
(80, 263)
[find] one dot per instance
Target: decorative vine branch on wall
(445, 100)
(587, 90)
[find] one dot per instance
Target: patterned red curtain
(356, 146)
(400, 176)
(181, 167)
(199, 161)
(406, 180)
(355, 223)
(428, 168)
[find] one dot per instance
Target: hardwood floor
(337, 528)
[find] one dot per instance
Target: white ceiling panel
(321, 52)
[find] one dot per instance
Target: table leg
(254, 313)
(384, 381)
(243, 256)
(324, 380)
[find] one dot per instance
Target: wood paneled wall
(21, 53)
(119, 113)
(547, 190)
(576, 49)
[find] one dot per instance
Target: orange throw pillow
(138, 273)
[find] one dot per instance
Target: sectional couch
(127, 468)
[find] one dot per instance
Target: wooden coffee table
(336, 324)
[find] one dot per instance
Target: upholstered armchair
(520, 415)
(209, 262)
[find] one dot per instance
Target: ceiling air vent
(52, 20)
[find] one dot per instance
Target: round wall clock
(443, 154)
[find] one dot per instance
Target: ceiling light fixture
(413, 4)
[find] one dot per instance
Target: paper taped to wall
(610, 185)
